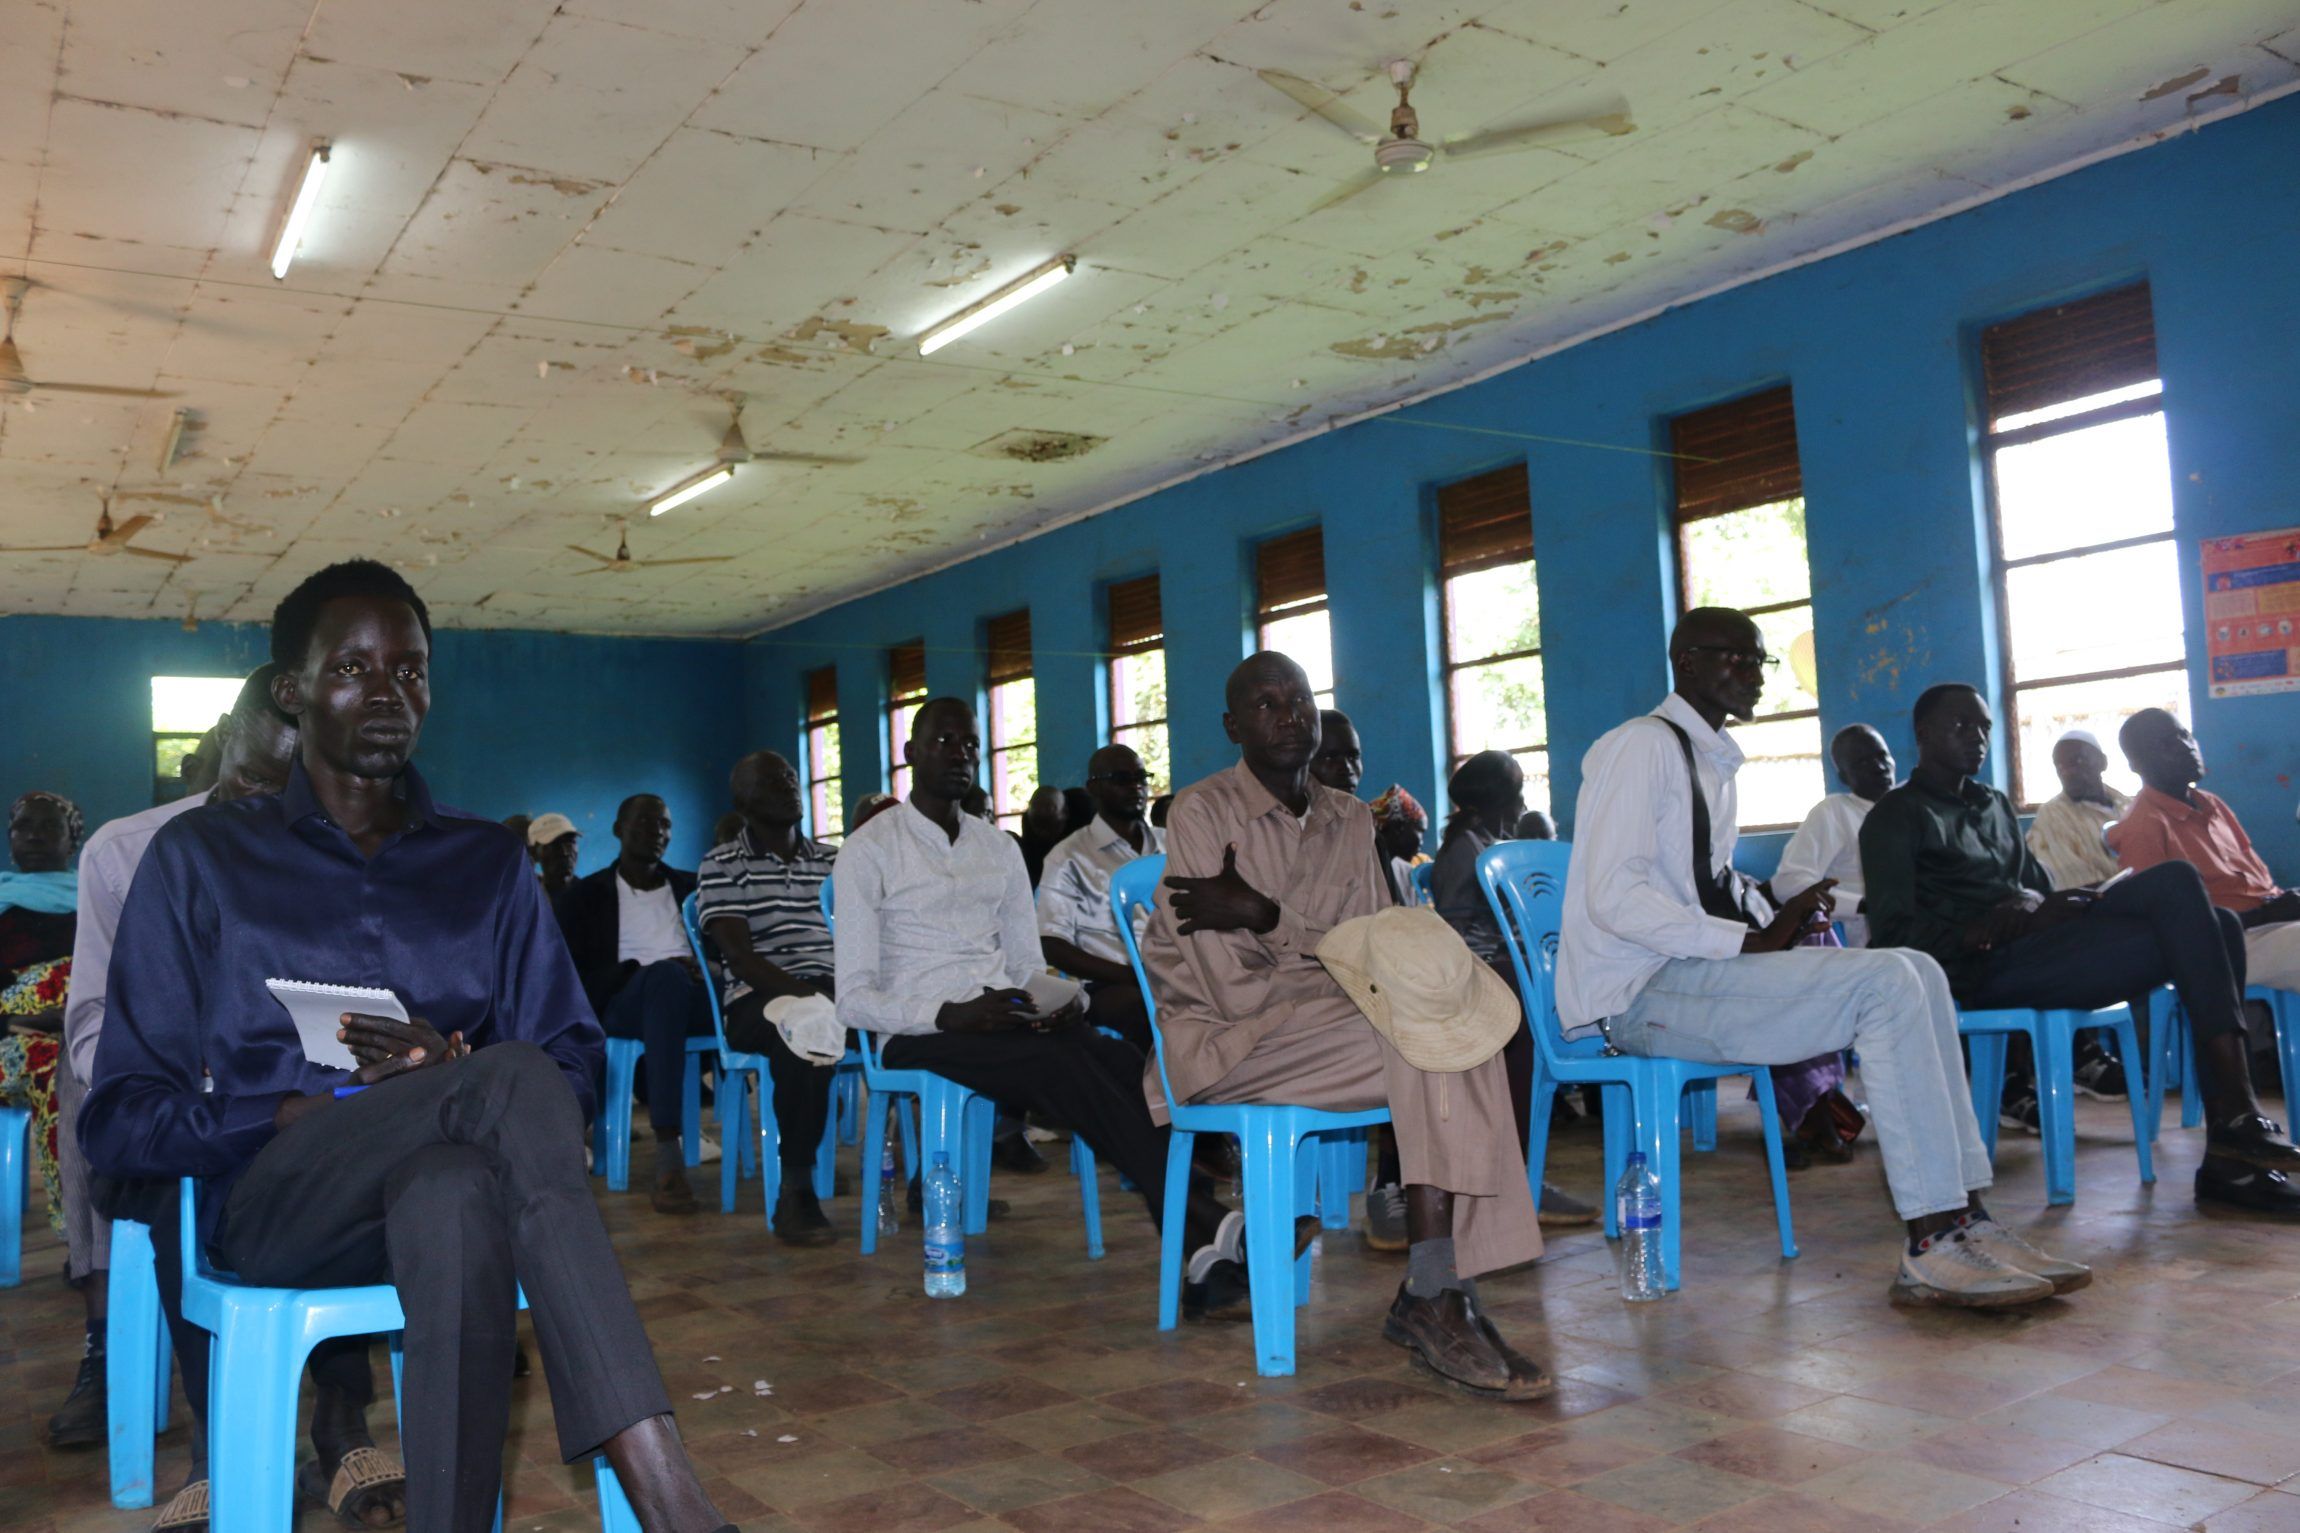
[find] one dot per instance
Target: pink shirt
(2160, 828)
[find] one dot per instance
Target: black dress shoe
(2254, 1140)
(1448, 1338)
(2237, 1185)
(799, 1219)
(82, 1421)
(1223, 1295)
(1016, 1153)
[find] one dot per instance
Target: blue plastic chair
(2175, 1049)
(262, 1338)
(738, 1074)
(1524, 882)
(1277, 1172)
(611, 1134)
(2052, 1040)
(1419, 879)
(138, 1363)
(953, 1121)
(15, 1167)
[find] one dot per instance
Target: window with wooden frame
(828, 809)
(905, 691)
(1495, 698)
(1740, 520)
(1138, 676)
(2080, 490)
(1290, 613)
(184, 709)
(1013, 717)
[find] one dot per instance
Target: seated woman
(1488, 793)
(38, 900)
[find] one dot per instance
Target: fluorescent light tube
(967, 320)
(691, 489)
(299, 216)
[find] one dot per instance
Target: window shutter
(906, 671)
(1137, 622)
(822, 694)
(1736, 455)
(1485, 522)
(1009, 645)
(1290, 573)
(2068, 351)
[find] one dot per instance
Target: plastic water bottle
(889, 1204)
(945, 1233)
(1637, 1207)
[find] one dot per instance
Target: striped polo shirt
(780, 901)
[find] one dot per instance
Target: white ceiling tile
(705, 195)
(799, 267)
(592, 99)
(127, 174)
(837, 73)
(589, 279)
(139, 53)
(737, 23)
(1078, 59)
(431, 41)
(935, 158)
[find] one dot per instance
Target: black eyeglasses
(1123, 779)
(1740, 657)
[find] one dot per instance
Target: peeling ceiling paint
(564, 243)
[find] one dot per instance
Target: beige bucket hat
(1422, 988)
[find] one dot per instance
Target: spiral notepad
(318, 1009)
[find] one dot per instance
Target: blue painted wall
(520, 722)
(1880, 346)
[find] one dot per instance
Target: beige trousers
(1455, 1130)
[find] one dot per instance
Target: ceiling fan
(109, 539)
(1402, 150)
(13, 378)
(734, 447)
(622, 563)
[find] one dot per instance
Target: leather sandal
(365, 1477)
(186, 1511)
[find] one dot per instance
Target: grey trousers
(87, 1233)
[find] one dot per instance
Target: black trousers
(1119, 1007)
(1090, 1083)
(802, 1088)
(2151, 928)
(663, 1004)
(454, 1184)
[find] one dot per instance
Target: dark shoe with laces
(82, 1423)
(2233, 1184)
(2101, 1078)
(2254, 1140)
(1016, 1153)
(799, 1218)
(2020, 1111)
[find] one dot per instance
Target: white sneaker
(2007, 1247)
(1950, 1270)
(707, 1152)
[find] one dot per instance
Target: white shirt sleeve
(1811, 852)
(1617, 839)
(1061, 897)
(105, 873)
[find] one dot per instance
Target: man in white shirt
(255, 744)
(1828, 844)
(1075, 925)
(1668, 952)
(631, 951)
(935, 938)
(2068, 835)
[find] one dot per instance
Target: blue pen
(344, 1091)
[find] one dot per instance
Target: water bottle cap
(1636, 1158)
(941, 1159)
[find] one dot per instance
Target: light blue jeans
(1890, 1004)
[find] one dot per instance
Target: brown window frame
(1464, 510)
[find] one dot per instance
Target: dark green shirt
(1933, 864)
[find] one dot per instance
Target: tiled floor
(1767, 1397)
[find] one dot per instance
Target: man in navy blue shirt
(450, 1163)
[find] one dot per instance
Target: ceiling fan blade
(656, 564)
(129, 528)
(48, 548)
(823, 460)
(577, 548)
(1364, 181)
(101, 388)
(153, 553)
(609, 568)
(1326, 104)
(1539, 135)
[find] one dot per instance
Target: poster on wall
(2252, 612)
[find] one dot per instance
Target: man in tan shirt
(1262, 863)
